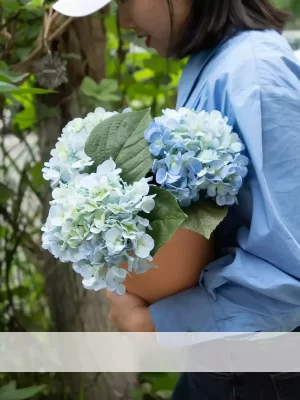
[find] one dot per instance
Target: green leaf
(139, 393)
(3, 66)
(108, 85)
(121, 137)
(158, 64)
(106, 91)
(10, 5)
(36, 176)
(144, 74)
(138, 59)
(164, 394)
(88, 86)
(111, 25)
(3, 233)
(8, 387)
(165, 218)
(26, 118)
(12, 77)
(21, 394)
(109, 98)
(19, 292)
(166, 382)
(23, 52)
(33, 30)
(35, 91)
(34, 4)
(5, 193)
(152, 377)
(136, 394)
(6, 87)
(204, 217)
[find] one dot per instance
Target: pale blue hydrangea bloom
(94, 223)
(68, 157)
(197, 152)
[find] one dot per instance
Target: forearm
(179, 266)
(227, 301)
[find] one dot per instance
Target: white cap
(79, 8)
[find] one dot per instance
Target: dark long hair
(211, 21)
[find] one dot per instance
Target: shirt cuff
(171, 315)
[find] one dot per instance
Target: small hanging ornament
(51, 71)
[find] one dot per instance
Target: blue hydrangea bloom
(197, 153)
(94, 223)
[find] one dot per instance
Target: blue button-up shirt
(254, 285)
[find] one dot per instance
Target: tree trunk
(72, 307)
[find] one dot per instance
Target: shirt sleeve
(256, 286)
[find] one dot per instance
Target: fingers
(113, 298)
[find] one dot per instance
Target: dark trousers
(238, 386)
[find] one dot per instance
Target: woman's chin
(162, 51)
(165, 52)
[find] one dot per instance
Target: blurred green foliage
(136, 77)
(11, 392)
(292, 5)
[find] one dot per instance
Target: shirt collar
(191, 75)
(192, 72)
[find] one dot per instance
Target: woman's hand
(129, 313)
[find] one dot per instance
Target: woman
(242, 66)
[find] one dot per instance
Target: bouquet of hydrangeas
(123, 184)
